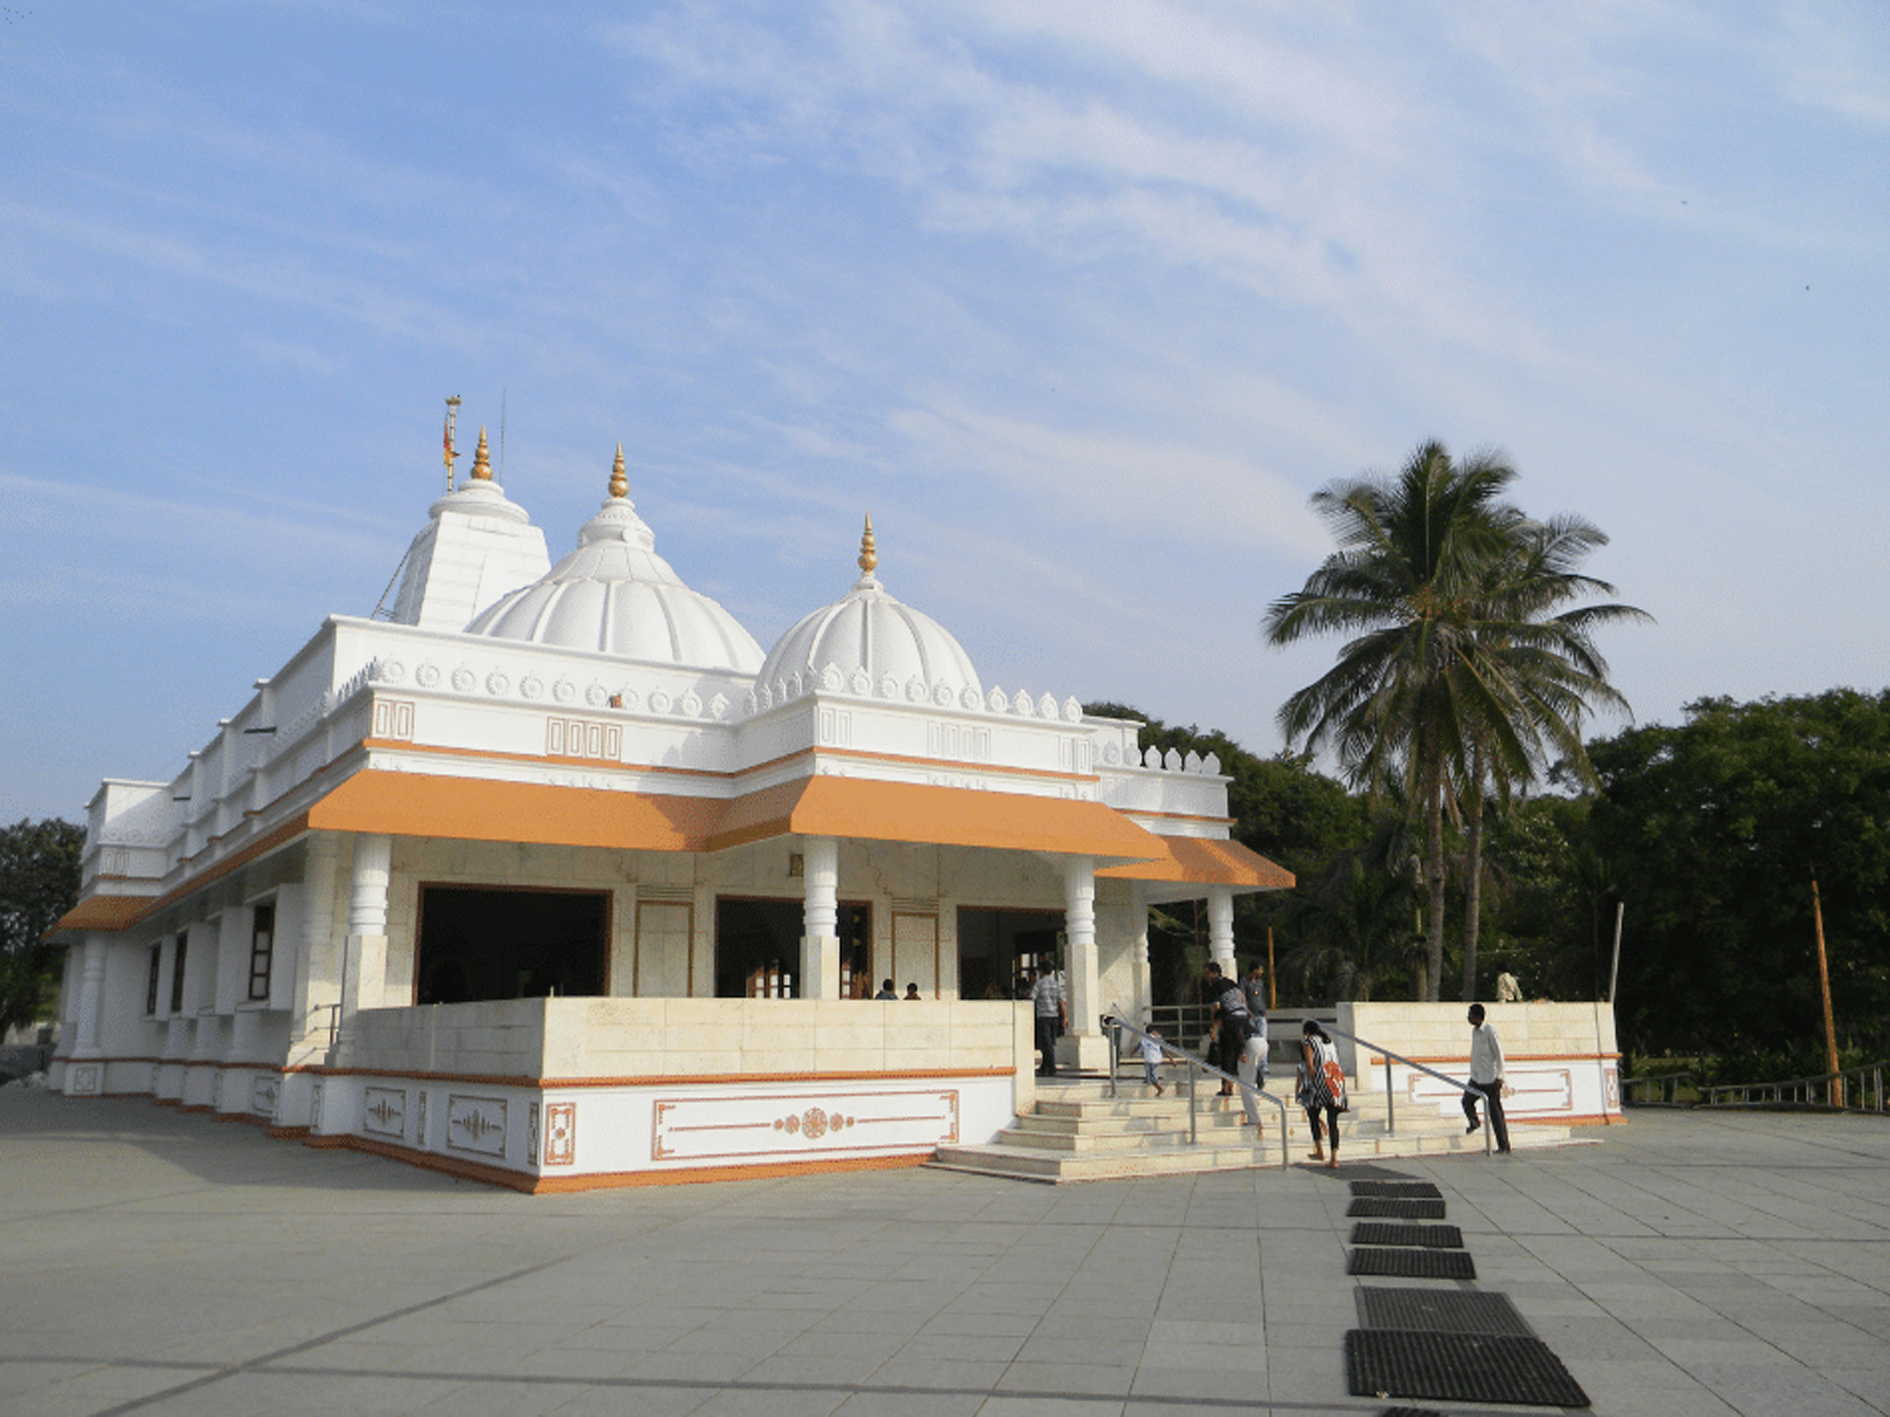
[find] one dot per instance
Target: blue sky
(1081, 300)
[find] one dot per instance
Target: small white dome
(870, 643)
(615, 594)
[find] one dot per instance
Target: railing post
(1115, 1053)
(1194, 1131)
(1391, 1102)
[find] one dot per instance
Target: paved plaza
(1682, 1265)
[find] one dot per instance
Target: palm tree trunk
(1473, 884)
(1434, 878)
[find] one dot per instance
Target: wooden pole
(1614, 972)
(1824, 987)
(1273, 980)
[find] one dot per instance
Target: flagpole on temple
(452, 415)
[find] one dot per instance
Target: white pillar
(317, 976)
(820, 939)
(1084, 1046)
(1144, 986)
(86, 1023)
(1221, 929)
(364, 972)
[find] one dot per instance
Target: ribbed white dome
(615, 594)
(871, 644)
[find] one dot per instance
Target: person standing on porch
(1046, 997)
(1486, 1077)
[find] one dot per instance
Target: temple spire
(482, 460)
(619, 484)
(869, 556)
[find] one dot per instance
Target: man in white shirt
(1486, 1077)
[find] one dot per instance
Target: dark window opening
(995, 947)
(758, 949)
(177, 973)
(151, 983)
(510, 944)
(262, 950)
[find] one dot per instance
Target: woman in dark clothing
(1321, 1087)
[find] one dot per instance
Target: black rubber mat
(1411, 1264)
(1392, 1205)
(1440, 1310)
(1402, 1190)
(1409, 1412)
(1458, 1367)
(1435, 1237)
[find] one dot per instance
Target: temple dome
(615, 594)
(869, 643)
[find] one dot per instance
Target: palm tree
(1552, 673)
(1453, 673)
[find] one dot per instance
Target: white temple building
(557, 880)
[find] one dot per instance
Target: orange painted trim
(1201, 860)
(728, 1079)
(608, 1180)
(390, 745)
(1464, 1058)
(656, 1079)
(288, 1133)
(702, 1175)
(875, 810)
(991, 769)
(262, 846)
(1182, 817)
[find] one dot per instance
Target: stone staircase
(1077, 1132)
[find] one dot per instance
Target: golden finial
(482, 462)
(619, 484)
(869, 557)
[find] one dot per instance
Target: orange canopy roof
(1201, 861)
(949, 816)
(480, 809)
(104, 912)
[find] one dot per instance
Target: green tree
(1454, 673)
(39, 882)
(1710, 832)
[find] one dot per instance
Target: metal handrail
(1391, 1105)
(1118, 1025)
(1834, 1085)
(1669, 1088)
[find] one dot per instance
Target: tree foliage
(39, 882)
(1456, 672)
(1711, 832)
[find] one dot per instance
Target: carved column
(820, 940)
(1221, 929)
(364, 971)
(1084, 1045)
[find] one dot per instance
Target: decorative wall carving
(561, 1134)
(384, 1112)
(806, 1125)
(475, 1124)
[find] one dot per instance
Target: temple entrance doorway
(500, 943)
(996, 946)
(758, 948)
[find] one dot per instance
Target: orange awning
(1200, 861)
(478, 809)
(104, 912)
(947, 816)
